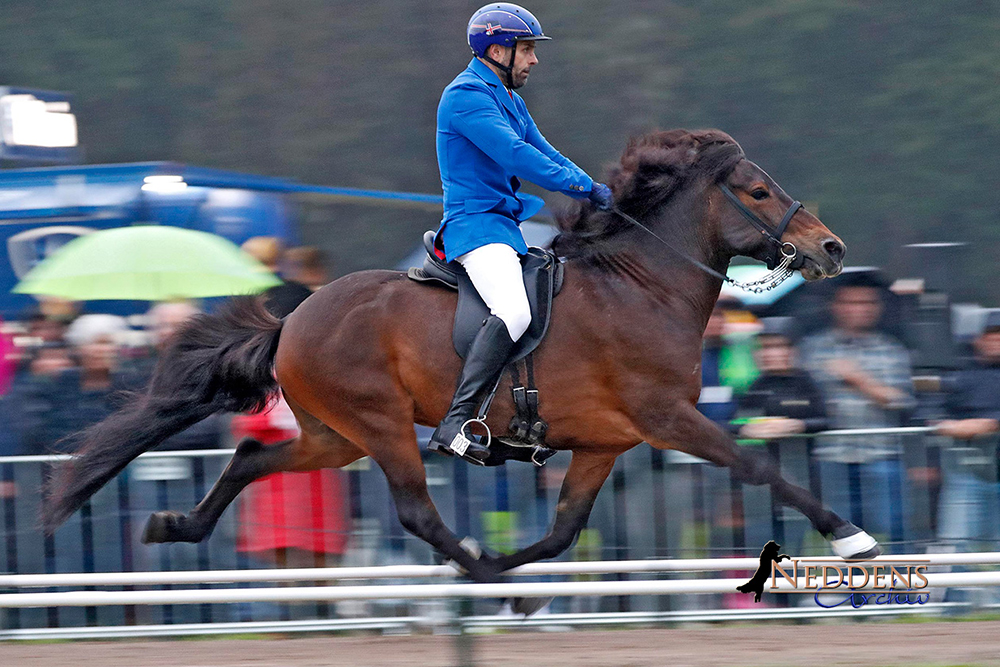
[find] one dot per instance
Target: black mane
(652, 169)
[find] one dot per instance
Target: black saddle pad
(542, 273)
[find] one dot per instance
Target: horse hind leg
(251, 461)
(316, 447)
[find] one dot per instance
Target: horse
(367, 356)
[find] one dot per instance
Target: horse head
(703, 197)
(818, 252)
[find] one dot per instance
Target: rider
(486, 141)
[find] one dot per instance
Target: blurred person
(282, 299)
(970, 493)
(8, 359)
(486, 142)
(30, 404)
(170, 483)
(865, 377)
(95, 340)
(50, 359)
(43, 328)
(58, 309)
(727, 367)
(782, 401)
(290, 519)
(68, 386)
(784, 397)
(166, 318)
(306, 265)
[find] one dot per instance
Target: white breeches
(495, 271)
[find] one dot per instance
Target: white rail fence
(455, 590)
(570, 568)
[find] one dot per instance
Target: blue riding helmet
(502, 23)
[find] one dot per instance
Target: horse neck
(685, 292)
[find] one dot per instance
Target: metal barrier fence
(656, 505)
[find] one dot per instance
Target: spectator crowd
(62, 370)
(853, 377)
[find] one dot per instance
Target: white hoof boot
(852, 543)
(471, 546)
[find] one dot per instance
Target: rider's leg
(495, 271)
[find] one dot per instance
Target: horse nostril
(834, 248)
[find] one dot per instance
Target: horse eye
(760, 193)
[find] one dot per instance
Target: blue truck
(43, 208)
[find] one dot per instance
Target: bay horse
(368, 355)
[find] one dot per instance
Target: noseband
(773, 236)
(779, 260)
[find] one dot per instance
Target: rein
(779, 263)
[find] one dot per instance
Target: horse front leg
(680, 426)
(416, 511)
(587, 473)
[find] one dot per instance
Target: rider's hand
(601, 196)
(967, 429)
(772, 427)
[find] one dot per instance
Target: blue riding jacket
(486, 142)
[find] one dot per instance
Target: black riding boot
(485, 360)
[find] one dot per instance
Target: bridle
(773, 236)
(779, 260)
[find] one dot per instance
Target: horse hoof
(528, 606)
(163, 527)
(851, 543)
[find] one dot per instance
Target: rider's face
(524, 60)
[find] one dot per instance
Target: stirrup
(460, 443)
(540, 454)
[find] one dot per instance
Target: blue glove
(601, 196)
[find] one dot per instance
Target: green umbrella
(147, 262)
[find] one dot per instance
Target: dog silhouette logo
(769, 554)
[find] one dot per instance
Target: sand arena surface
(856, 644)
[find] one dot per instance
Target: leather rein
(779, 261)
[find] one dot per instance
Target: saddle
(543, 278)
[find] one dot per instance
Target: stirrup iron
(460, 443)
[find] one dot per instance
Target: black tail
(220, 362)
